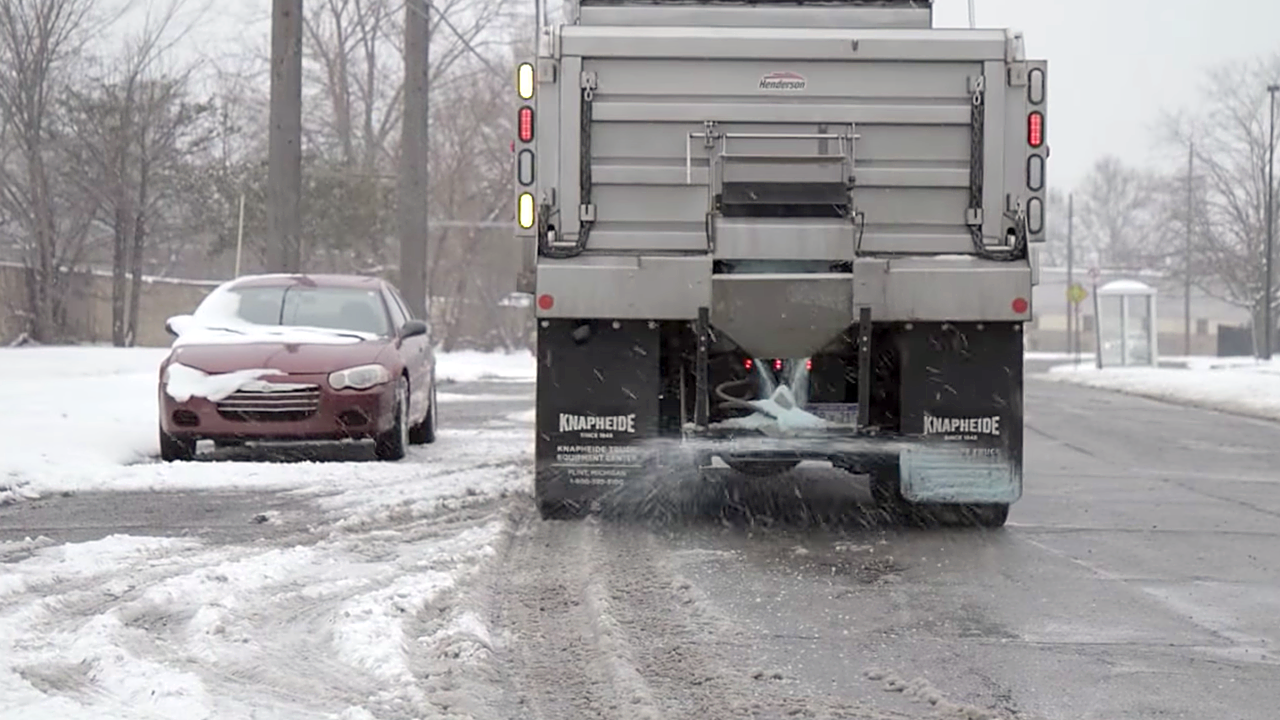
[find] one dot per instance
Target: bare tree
(1230, 129)
(472, 268)
(38, 41)
(360, 78)
(1116, 210)
(124, 130)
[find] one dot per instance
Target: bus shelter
(1126, 324)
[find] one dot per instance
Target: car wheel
(425, 432)
(391, 444)
(176, 448)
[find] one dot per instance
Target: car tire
(392, 444)
(174, 448)
(424, 433)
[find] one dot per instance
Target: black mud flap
(597, 411)
(962, 397)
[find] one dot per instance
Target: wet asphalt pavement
(1139, 577)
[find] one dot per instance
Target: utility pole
(1186, 271)
(1071, 305)
(284, 139)
(1271, 206)
(413, 182)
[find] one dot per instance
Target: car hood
(288, 358)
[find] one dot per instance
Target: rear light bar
(524, 81)
(525, 124)
(524, 167)
(1035, 129)
(525, 210)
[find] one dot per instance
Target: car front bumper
(304, 409)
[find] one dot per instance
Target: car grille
(271, 405)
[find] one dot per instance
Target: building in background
(1210, 317)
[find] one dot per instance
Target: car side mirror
(412, 328)
(175, 324)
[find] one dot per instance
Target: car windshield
(344, 309)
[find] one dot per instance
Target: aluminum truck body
(772, 232)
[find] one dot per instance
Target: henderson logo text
(783, 81)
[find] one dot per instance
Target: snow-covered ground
(78, 416)
(343, 621)
(1237, 385)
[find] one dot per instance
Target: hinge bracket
(547, 71)
(587, 213)
(709, 134)
(587, 80)
(1018, 74)
(973, 217)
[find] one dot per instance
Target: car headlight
(359, 378)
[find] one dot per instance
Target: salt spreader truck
(769, 232)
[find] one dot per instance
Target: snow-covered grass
(470, 365)
(78, 416)
(1237, 385)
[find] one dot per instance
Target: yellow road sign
(1076, 293)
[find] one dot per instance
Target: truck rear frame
(728, 211)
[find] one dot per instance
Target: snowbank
(1236, 385)
(76, 409)
(469, 366)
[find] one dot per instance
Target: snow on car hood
(286, 358)
(284, 350)
(183, 383)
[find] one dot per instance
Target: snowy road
(1138, 578)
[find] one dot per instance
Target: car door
(416, 352)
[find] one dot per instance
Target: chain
(976, 178)
(584, 187)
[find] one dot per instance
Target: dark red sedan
(298, 358)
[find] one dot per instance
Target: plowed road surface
(1138, 578)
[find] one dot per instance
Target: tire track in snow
(302, 631)
(599, 625)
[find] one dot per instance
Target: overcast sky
(1114, 65)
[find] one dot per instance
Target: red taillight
(748, 364)
(808, 364)
(777, 364)
(526, 124)
(1035, 129)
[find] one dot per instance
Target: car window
(398, 314)
(331, 308)
(404, 307)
